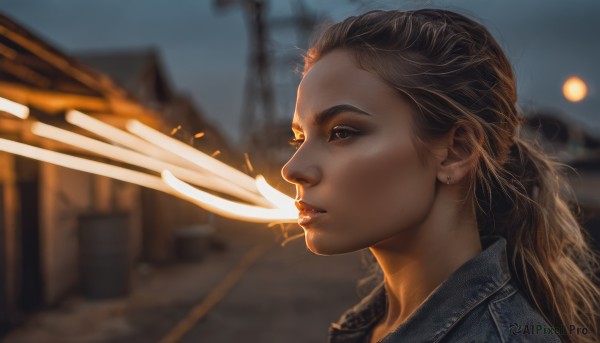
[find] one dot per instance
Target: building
(42, 205)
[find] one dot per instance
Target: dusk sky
(204, 50)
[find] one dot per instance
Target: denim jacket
(479, 302)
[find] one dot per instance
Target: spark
(175, 130)
(247, 159)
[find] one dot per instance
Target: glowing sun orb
(575, 89)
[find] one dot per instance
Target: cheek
(383, 182)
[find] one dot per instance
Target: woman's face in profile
(356, 160)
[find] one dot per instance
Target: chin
(320, 244)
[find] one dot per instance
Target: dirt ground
(287, 295)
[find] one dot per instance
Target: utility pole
(258, 92)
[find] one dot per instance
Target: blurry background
(220, 75)
(204, 48)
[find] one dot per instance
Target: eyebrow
(330, 113)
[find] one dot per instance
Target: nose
(300, 172)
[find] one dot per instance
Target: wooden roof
(39, 75)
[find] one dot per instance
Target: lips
(303, 206)
(308, 213)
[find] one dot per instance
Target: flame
(16, 109)
(228, 208)
(575, 89)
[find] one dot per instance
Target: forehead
(336, 79)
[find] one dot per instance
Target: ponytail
(529, 204)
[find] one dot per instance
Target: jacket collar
(472, 283)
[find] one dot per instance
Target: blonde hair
(454, 73)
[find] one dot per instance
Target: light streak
(173, 164)
(228, 208)
(197, 157)
(123, 138)
(16, 109)
(274, 196)
(131, 157)
(84, 165)
(172, 185)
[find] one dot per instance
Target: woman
(406, 133)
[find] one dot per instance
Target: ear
(460, 153)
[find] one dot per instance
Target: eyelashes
(337, 133)
(345, 131)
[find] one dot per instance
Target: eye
(342, 133)
(296, 142)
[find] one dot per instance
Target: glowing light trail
(123, 138)
(134, 158)
(203, 170)
(189, 153)
(205, 200)
(228, 208)
(16, 109)
(274, 196)
(84, 165)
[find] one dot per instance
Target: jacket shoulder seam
(453, 323)
(493, 312)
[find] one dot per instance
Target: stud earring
(448, 178)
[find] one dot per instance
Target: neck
(418, 260)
